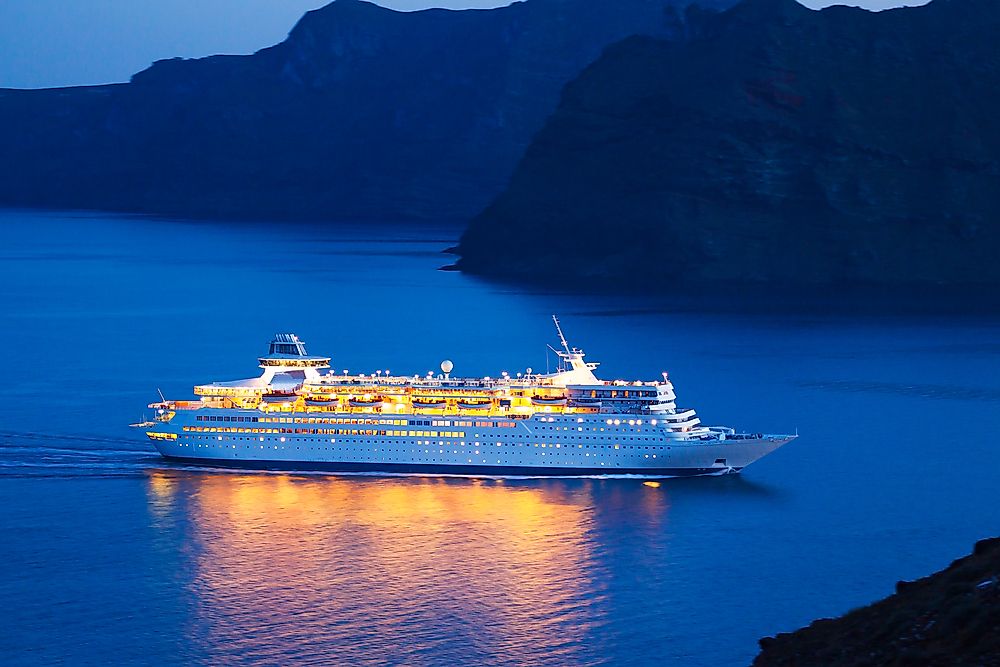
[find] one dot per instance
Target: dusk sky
(57, 43)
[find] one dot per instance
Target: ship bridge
(288, 352)
(286, 356)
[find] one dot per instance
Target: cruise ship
(299, 414)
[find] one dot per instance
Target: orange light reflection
(391, 569)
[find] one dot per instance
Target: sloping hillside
(779, 145)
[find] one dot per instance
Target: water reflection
(414, 571)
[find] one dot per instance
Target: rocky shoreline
(951, 617)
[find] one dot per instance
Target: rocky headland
(361, 113)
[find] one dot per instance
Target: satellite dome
(447, 366)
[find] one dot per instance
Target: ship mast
(572, 368)
(562, 338)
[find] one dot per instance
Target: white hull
(552, 445)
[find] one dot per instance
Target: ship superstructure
(301, 414)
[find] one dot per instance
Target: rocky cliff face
(949, 618)
(777, 145)
(361, 112)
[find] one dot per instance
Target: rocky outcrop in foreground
(949, 618)
(777, 145)
(363, 112)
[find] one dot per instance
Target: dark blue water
(110, 555)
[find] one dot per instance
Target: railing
(524, 382)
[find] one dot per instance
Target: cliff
(362, 112)
(949, 618)
(777, 145)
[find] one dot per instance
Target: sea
(110, 555)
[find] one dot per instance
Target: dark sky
(74, 42)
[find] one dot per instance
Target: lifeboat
(279, 397)
(365, 401)
(426, 403)
(548, 400)
(321, 401)
(474, 405)
(586, 402)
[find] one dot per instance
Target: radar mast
(562, 338)
(579, 371)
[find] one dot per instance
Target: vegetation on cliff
(949, 618)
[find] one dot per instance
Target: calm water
(110, 555)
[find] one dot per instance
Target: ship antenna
(559, 356)
(562, 338)
(162, 397)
